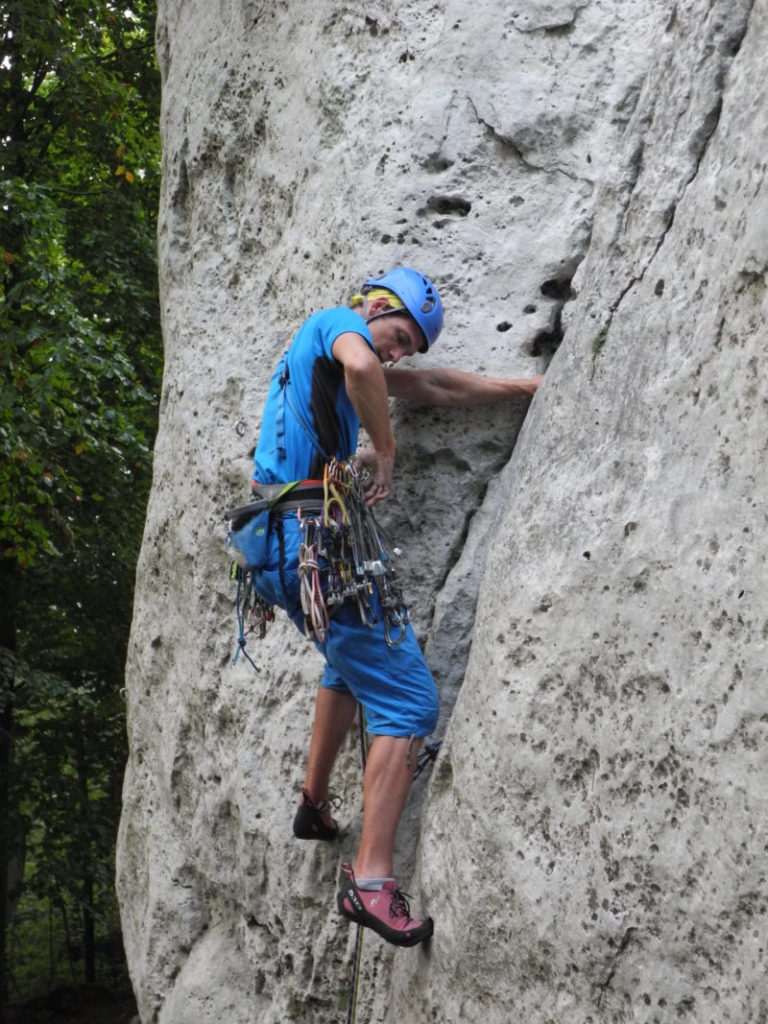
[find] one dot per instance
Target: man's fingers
(377, 493)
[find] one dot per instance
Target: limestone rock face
(590, 589)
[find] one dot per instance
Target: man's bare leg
(388, 776)
(334, 714)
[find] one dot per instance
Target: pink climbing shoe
(385, 910)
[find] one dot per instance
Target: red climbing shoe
(309, 824)
(386, 911)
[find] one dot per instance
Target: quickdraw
(348, 540)
(253, 613)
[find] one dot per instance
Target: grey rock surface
(590, 588)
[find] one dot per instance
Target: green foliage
(66, 806)
(79, 338)
(80, 363)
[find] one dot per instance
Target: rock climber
(338, 373)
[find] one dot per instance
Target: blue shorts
(393, 684)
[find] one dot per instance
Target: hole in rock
(449, 204)
(546, 343)
(557, 288)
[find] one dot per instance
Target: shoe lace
(400, 907)
(333, 802)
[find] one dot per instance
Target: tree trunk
(11, 842)
(87, 887)
(89, 933)
(8, 838)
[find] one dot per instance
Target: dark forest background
(80, 365)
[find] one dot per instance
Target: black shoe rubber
(308, 823)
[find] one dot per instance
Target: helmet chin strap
(385, 312)
(393, 312)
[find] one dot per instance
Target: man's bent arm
(441, 386)
(367, 389)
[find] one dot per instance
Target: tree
(80, 361)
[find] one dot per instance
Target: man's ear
(377, 305)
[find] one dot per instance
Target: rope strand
(358, 952)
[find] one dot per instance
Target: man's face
(394, 337)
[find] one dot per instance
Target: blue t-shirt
(310, 417)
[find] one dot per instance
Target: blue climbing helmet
(418, 295)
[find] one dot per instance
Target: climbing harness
(342, 556)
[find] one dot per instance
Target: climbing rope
(358, 951)
(427, 756)
(316, 619)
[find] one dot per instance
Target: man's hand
(378, 469)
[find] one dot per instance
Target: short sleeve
(342, 321)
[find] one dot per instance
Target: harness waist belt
(289, 504)
(267, 496)
(301, 494)
(308, 495)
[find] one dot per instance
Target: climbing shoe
(309, 824)
(385, 910)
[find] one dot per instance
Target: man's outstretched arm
(440, 386)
